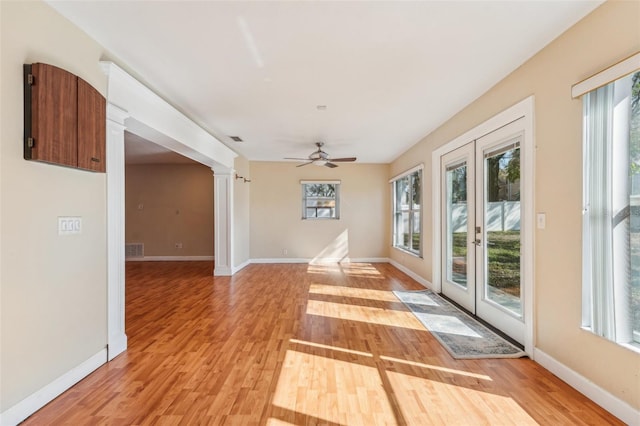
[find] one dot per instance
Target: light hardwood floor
(301, 345)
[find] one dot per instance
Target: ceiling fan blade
(304, 164)
(345, 159)
(299, 159)
(330, 165)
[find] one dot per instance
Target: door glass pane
(502, 225)
(456, 226)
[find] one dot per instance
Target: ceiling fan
(321, 158)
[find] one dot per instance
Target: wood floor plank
(299, 345)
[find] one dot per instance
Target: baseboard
(281, 260)
(222, 271)
(609, 402)
(368, 260)
(116, 345)
(412, 274)
(240, 267)
(169, 258)
(19, 412)
(321, 261)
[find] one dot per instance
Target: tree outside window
(407, 212)
(320, 200)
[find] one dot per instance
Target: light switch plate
(541, 220)
(69, 225)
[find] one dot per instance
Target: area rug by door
(460, 334)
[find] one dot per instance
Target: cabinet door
(91, 128)
(54, 95)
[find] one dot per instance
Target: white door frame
(523, 109)
(134, 107)
(464, 296)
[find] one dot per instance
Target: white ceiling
(389, 72)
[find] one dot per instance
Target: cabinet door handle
(94, 159)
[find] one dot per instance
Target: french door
(481, 229)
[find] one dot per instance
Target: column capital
(220, 170)
(116, 114)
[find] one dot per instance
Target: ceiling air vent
(236, 138)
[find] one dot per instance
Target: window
(611, 214)
(407, 211)
(320, 199)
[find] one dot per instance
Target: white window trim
(606, 76)
(407, 172)
(392, 181)
(326, 182)
(335, 182)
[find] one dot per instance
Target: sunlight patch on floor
(443, 403)
(271, 421)
(437, 368)
(333, 348)
(362, 293)
(323, 268)
(371, 315)
(336, 391)
(361, 269)
(344, 266)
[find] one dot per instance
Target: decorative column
(223, 219)
(116, 337)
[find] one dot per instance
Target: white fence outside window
(500, 216)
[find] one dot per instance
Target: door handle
(477, 242)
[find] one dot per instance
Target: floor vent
(133, 250)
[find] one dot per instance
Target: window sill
(632, 346)
(403, 250)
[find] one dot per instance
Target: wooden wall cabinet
(65, 119)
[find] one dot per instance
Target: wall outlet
(178, 245)
(284, 251)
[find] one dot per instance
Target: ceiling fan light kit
(321, 158)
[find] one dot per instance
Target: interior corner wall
(276, 212)
(169, 204)
(241, 212)
(606, 36)
(53, 289)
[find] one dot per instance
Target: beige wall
(276, 210)
(608, 35)
(52, 288)
(241, 212)
(177, 207)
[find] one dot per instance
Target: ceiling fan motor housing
(321, 158)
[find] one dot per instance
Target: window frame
(336, 198)
(398, 211)
(608, 316)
